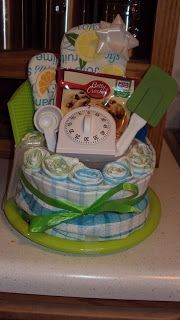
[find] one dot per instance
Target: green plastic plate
(82, 247)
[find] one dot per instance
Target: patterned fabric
(78, 194)
(81, 46)
(71, 57)
(91, 227)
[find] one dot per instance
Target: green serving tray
(82, 247)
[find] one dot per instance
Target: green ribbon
(101, 205)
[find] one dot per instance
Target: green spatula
(149, 102)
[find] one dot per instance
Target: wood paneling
(6, 148)
(34, 307)
(165, 35)
(13, 64)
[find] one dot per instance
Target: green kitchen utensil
(21, 111)
(149, 102)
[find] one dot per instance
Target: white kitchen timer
(87, 131)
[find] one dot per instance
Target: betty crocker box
(78, 89)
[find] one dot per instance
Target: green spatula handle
(135, 124)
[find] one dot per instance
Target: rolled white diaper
(33, 139)
(55, 167)
(84, 176)
(33, 158)
(117, 172)
(140, 157)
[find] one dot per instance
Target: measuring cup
(46, 120)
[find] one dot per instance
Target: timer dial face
(88, 126)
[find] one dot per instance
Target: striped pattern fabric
(106, 226)
(79, 194)
(91, 227)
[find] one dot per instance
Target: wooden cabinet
(14, 64)
(164, 43)
(34, 307)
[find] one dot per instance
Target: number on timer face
(88, 126)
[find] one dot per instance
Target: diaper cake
(83, 162)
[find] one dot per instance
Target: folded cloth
(101, 47)
(42, 76)
(100, 227)
(78, 51)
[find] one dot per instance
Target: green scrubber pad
(21, 111)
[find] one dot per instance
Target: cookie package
(78, 89)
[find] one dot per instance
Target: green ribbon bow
(101, 205)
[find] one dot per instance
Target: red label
(123, 84)
(97, 89)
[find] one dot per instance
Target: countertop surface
(149, 271)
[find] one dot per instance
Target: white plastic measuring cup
(46, 120)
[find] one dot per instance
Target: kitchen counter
(149, 271)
